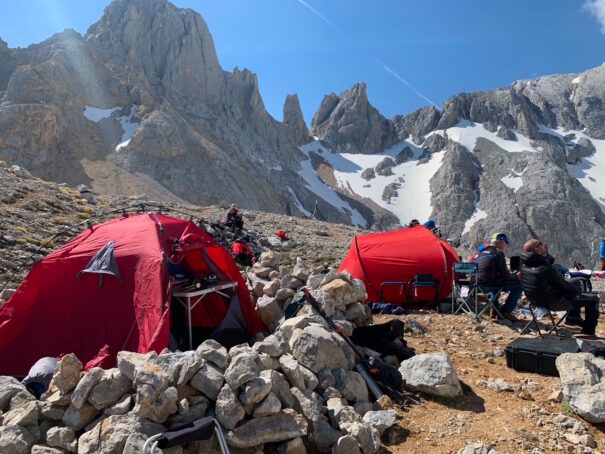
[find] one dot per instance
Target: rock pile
(295, 389)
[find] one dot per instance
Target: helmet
(499, 237)
(429, 224)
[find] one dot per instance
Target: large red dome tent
(399, 256)
(109, 289)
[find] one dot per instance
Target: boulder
(270, 311)
(270, 259)
(311, 380)
(209, 380)
(477, 448)
(341, 292)
(155, 399)
(292, 370)
(325, 436)
(350, 385)
(271, 288)
(110, 435)
(270, 406)
(256, 390)
(121, 407)
(67, 373)
(274, 345)
(582, 376)
(41, 449)
(282, 426)
(316, 349)
(77, 418)
(212, 351)
(309, 403)
(243, 368)
(346, 445)
(16, 440)
(280, 387)
(189, 412)
(85, 385)
(62, 437)
(9, 387)
(128, 362)
(180, 366)
(112, 385)
(326, 379)
(294, 446)
(229, 410)
(380, 420)
(25, 415)
(300, 321)
(431, 373)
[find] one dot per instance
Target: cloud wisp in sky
(385, 67)
(597, 9)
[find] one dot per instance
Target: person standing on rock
(545, 287)
(493, 274)
(602, 251)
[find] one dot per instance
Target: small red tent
(109, 289)
(399, 256)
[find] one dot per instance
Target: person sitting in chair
(234, 218)
(545, 287)
(493, 274)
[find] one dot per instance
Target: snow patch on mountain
(128, 126)
(466, 134)
(413, 199)
(317, 186)
(513, 180)
(96, 114)
(590, 171)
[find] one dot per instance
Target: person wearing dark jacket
(234, 218)
(493, 274)
(545, 287)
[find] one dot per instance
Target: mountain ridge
(182, 128)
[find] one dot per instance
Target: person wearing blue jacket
(602, 250)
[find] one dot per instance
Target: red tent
(399, 256)
(109, 289)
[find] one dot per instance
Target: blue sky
(313, 47)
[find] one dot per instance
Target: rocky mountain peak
(172, 47)
(294, 120)
(350, 123)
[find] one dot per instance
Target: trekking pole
(364, 364)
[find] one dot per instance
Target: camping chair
(201, 429)
(461, 294)
(420, 281)
(403, 289)
(534, 321)
(492, 295)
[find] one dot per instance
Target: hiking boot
(574, 321)
(510, 317)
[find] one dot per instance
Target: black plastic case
(538, 354)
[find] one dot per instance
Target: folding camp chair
(402, 289)
(201, 429)
(461, 294)
(534, 321)
(492, 296)
(420, 281)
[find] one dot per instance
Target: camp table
(197, 296)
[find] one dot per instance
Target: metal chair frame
(152, 442)
(459, 302)
(534, 321)
(492, 300)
